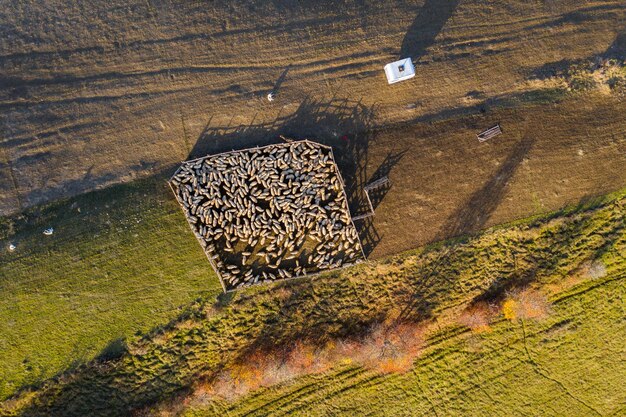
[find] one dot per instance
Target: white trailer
(399, 70)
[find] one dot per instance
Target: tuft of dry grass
(597, 270)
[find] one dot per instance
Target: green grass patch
(121, 261)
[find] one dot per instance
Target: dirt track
(96, 93)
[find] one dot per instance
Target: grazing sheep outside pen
(269, 213)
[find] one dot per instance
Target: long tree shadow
(429, 21)
(618, 48)
(473, 214)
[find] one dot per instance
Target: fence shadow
(391, 160)
(345, 125)
(427, 24)
(368, 234)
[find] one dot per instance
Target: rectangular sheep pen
(269, 213)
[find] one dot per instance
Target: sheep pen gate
(269, 213)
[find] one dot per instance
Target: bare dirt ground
(94, 93)
(445, 183)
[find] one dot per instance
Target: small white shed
(399, 70)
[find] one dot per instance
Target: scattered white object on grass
(11, 247)
(399, 70)
(271, 96)
(48, 231)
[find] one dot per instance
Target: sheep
(269, 195)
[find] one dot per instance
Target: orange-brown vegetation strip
(414, 287)
(389, 347)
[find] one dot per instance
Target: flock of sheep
(268, 213)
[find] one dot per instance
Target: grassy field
(118, 310)
(571, 363)
(120, 262)
(423, 284)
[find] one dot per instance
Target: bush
(525, 304)
(478, 316)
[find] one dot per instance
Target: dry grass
(384, 349)
(525, 304)
(478, 316)
(144, 82)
